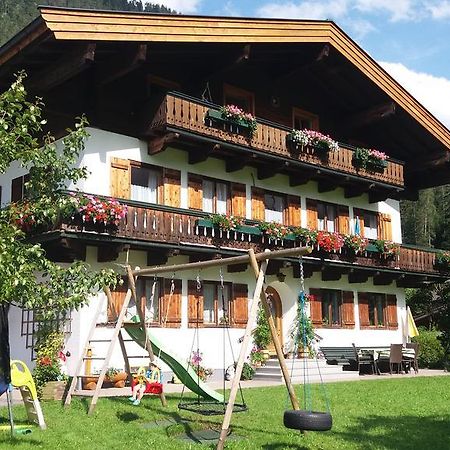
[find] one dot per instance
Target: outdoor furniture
(396, 357)
(413, 362)
(365, 359)
(343, 356)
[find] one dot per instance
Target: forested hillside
(16, 14)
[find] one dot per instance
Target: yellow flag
(412, 329)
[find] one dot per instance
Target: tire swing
(306, 419)
(202, 406)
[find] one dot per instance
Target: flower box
(215, 118)
(370, 160)
(246, 229)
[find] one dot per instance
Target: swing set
(299, 419)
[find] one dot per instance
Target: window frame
(301, 114)
(358, 212)
(214, 199)
(160, 184)
(23, 179)
(325, 206)
(324, 293)
(233, 91)
(372, 298)
(284, 200)
(160, 281)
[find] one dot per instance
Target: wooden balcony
(165, 228)
(185, 114)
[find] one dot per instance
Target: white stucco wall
(102, 146)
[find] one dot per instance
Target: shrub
(261, 334)
(247, 372)
(431, 351)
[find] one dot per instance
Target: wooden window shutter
(315, 307)
(118, 297)
(240, 305)
(172, 187)
(120, 178)
(358, 215)
(238, 200)
(258, 207)
(348, 310)
(195, 305)
(363, 308)
(311, 214)
(293, 215)
(391, 312)
(343, 222)
(171, 307)
(195, 190)
(384, 227)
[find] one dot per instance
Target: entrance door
(277, 313)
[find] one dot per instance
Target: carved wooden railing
(189, 114)
(177, 226)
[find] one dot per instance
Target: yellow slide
(22, 379)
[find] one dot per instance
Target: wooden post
(147, 344)
(242, 355)
(273, 332)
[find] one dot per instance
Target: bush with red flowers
(355, 243)
(274, 230)
(329, 242)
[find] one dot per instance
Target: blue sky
(409, 38)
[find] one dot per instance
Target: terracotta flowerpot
(53, 390)
(119, 384)
(121, 376)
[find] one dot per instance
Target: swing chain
(302, 275)
(172, 285)
(221, 277)
(198, 282)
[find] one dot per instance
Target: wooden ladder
(117, 336)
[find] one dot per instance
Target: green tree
(27, 277)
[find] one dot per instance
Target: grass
(393, 414)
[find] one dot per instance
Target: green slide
(188, 377)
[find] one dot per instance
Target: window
(216, 195)
(377, 305)
(239, 97)
(274, 205)
(331, 307)
(326, 217)
(210, 305)
(304, 120)
(161, 299)
(145, 182)
(366, 223)
(18, 188)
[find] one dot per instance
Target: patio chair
(396, 357)
(414, 362)
(365, 359)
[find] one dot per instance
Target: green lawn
(409, 413)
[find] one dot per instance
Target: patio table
(380, 354)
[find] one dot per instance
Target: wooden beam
(326, 186)
(383, 279)
(237, 162)
(245, 54)
(274, 267)
(358, 277)
(159, 143)
(300, 178)
(369, 116)
(109, 252)
(356, 191)
(331, 274)
(123, 64)
(64, 69)
(265, 172)
(198, 155)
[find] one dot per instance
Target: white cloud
(440, 11)
(331, 9)
(359, 27)
(396, 9)
(433, 92)
(181, 6)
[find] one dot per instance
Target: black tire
(307, 420)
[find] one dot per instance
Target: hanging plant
(225, 222)
(304, 138)
(356, 243)
(329, 242)
(302, 331)
(388, 249)
(369, 159)
(274, 230)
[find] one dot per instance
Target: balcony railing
(188, 114)
(173, 226)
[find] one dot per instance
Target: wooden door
(277, 313)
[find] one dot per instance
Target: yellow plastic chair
(21, 377)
